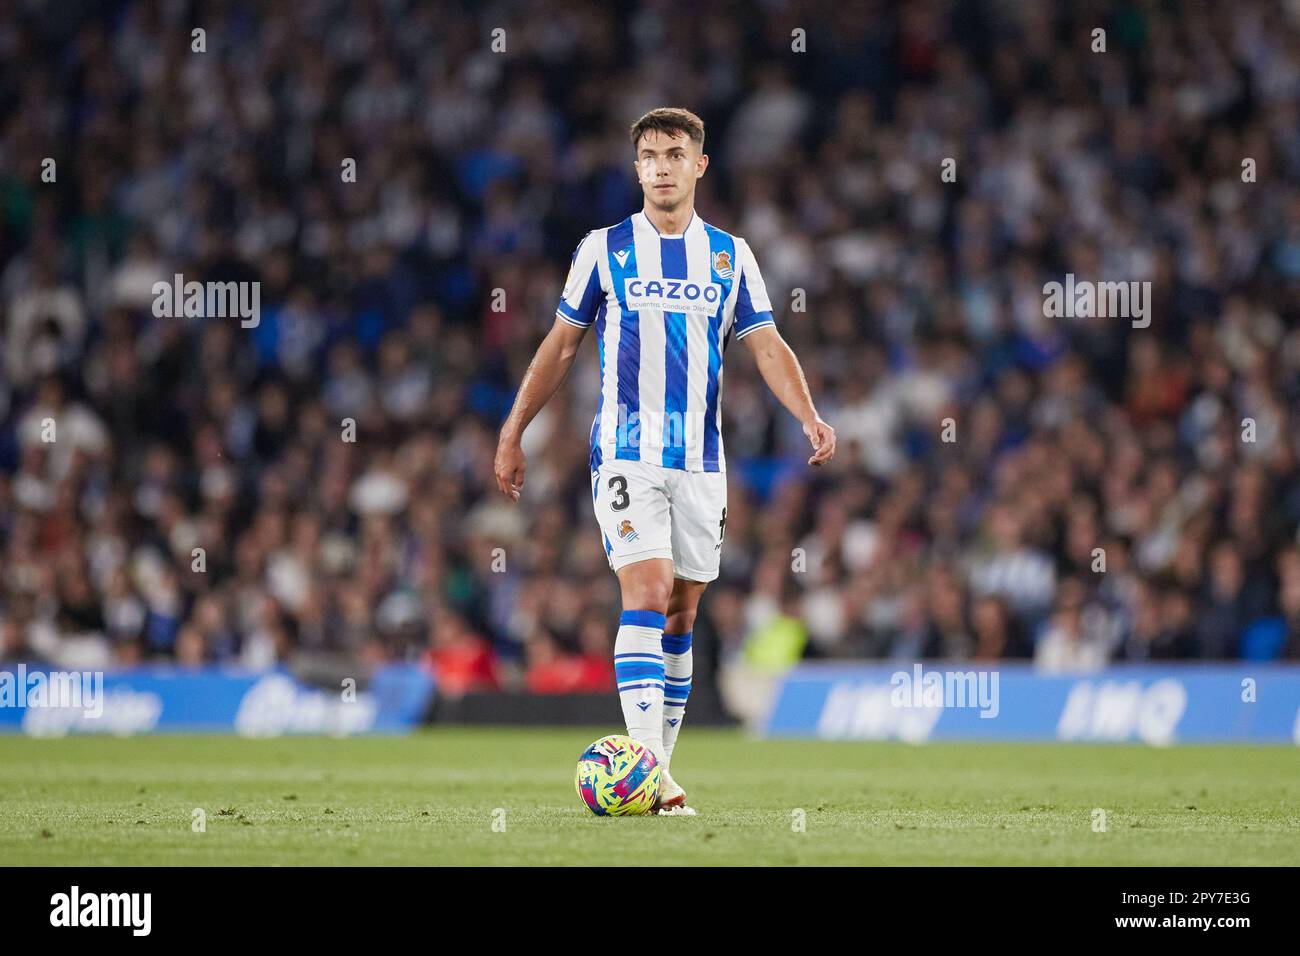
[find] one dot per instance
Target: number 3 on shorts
(618, 485)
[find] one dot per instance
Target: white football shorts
(648, 511)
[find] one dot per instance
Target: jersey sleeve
(582, 293)
(753, 308)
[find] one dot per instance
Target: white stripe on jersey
(613, 329)
(652, 377)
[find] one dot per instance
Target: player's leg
(699, 517)
(638, 650)
(631, 505)
(678, 657)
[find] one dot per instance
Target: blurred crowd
(1072, 490)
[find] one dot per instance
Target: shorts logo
(722, 264)
(625, 530)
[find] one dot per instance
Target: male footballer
(666, 293)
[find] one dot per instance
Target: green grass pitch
(434, 797)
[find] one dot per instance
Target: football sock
(677, 687)
(639, 672)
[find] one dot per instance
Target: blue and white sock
(639, 672)
(677, 687)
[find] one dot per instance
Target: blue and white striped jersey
(664, 309)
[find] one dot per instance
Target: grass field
(432, 799)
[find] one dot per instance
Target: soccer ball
(618, 776)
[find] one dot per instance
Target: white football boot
(672, 798)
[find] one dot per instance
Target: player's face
(667, 168)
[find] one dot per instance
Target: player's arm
(777, 363)
(575, 313)
(547, 370)
(780, 369)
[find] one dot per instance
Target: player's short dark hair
(669, 120)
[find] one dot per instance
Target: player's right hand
(509, 468)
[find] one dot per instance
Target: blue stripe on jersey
(719, 241)
(570, 314)
(580, 315)
(590, 296)
(746, 318)
(628, 445)
(600, 403)
(672, 255)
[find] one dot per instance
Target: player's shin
(639, 672)
(677, 688)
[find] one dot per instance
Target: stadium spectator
(333, 461)
(461, 659)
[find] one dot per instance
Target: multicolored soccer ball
(617, 777)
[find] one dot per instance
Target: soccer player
(666, 293)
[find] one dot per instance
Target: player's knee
(680, 622)
(648, 598)
(647, 595)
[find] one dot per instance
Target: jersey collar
(696, 223)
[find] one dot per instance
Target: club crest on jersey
(625, 530)
(722, 265)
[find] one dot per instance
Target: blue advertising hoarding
(43, 702)
(1157, 705)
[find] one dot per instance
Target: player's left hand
(822, 438)
(509, 468)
